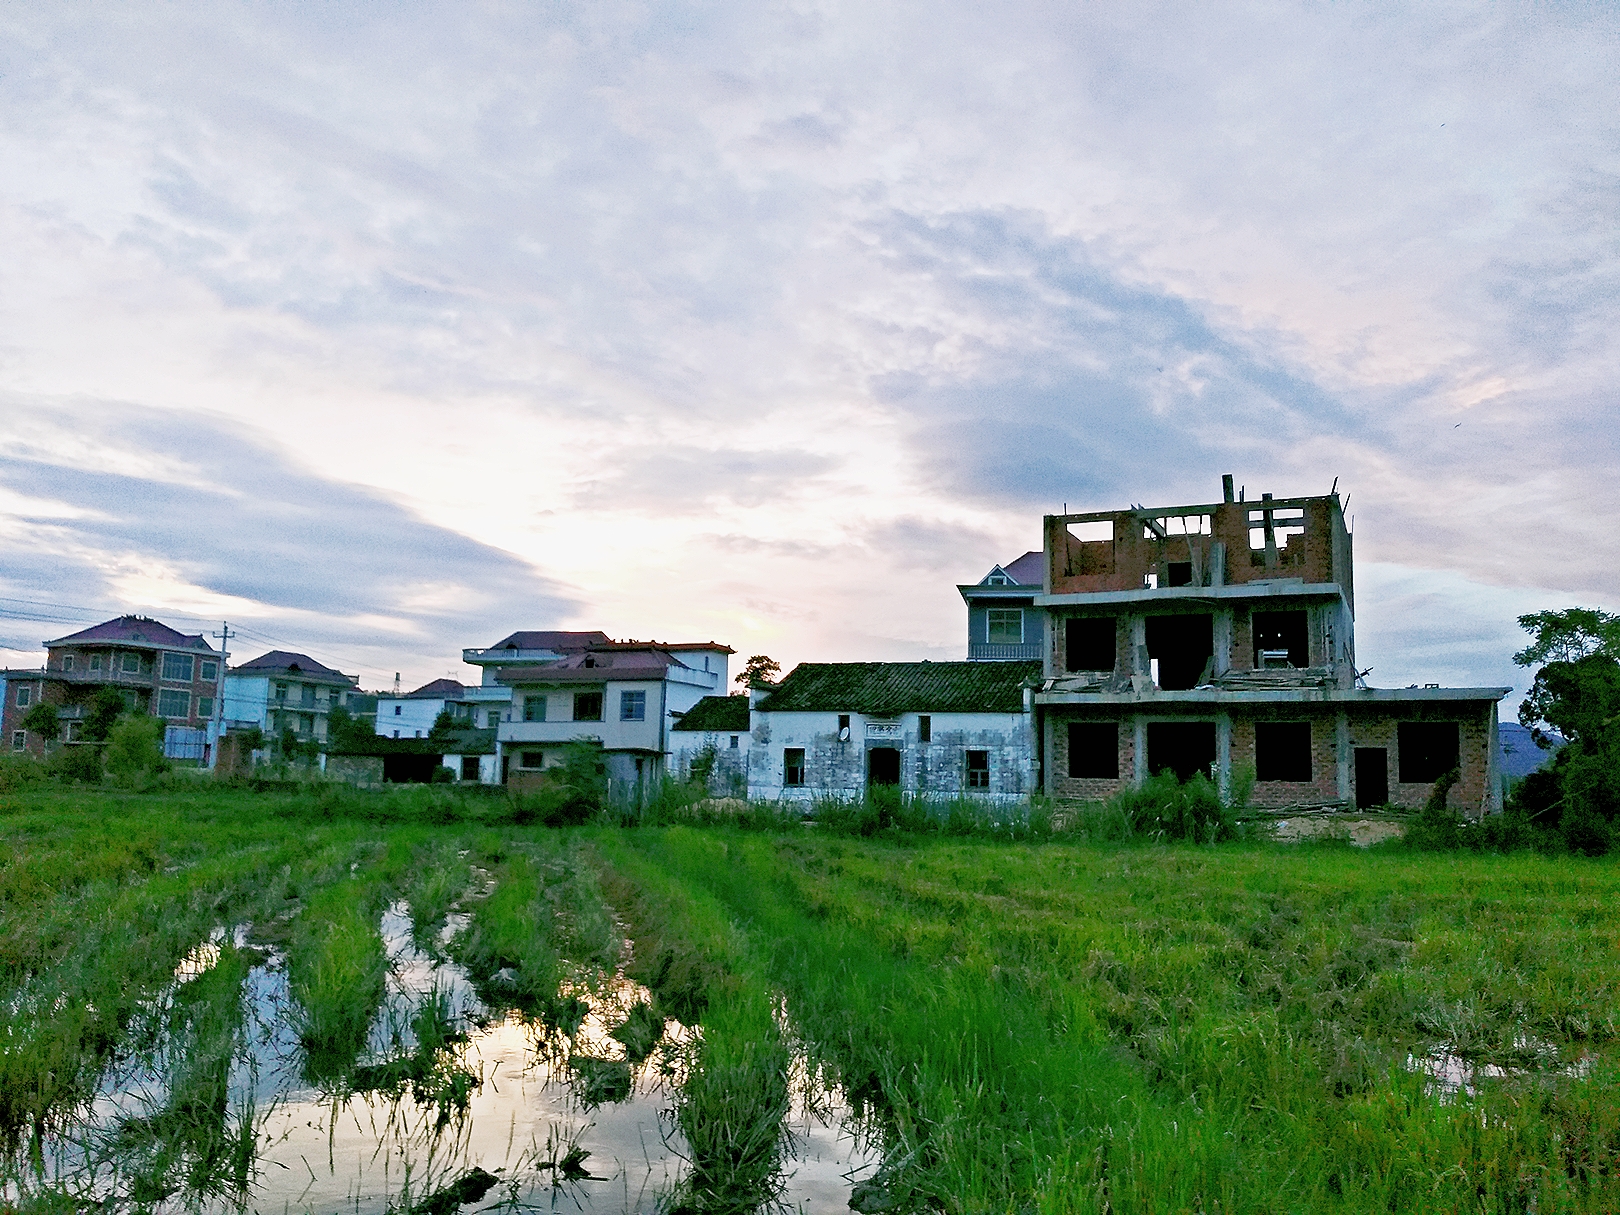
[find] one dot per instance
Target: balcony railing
(996, 651)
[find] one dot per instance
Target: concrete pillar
(1342, 753)
(1223, 640)
(1139, 655)
(1223, 755)
(1139, 725)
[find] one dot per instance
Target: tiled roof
(885, 688)
(595, 666)
(439, 689)
(552, 639)
(137, 631)
(1027, 570)
(285, 661)
(716, 713)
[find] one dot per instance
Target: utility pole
(225, 634)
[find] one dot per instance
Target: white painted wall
(402, 718)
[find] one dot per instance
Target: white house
(943, 729)
(412, 714)
(623, 694)
(490, 699)
(282, 691)
(717, 733)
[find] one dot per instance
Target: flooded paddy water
(456, 1099)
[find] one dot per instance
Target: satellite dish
(843, 735)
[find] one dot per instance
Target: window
(132, 664)
(177, 668)
(587, 706)
(396, 733)
(492, 718)
(1276, 632)
(843, 722)
(281, 694)
(978, 769)
(733, 742)
(1282, 750)
(534, 709)
(632, 706)
(67, 662)
(95, 662)
(24, 696)
(1427, 750)
(1005, 626)
(19, 739)
(210, 671)
(531, 759)
(174, 703)
(1178, 573)
(925, 728)
(205, 706)
(469, 767)
(793, 765)
(1094, 750)
(1088, 643)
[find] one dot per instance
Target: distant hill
(1519, 754)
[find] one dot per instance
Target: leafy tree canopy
(758, 671)
(1568, 636)
(42, 719)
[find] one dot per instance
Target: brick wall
(1324, 782)
(1087, 788)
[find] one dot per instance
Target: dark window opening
(978, 769)
(532, 759)
(469, 767)
(883, 766)
(1427, 750)
(1088, 643)
(1275, 632)
(1094, 750)
(1182, 747)
(587, 706)
(1372, 777)
(1178, 573)
(925, 728)
(1185, 648)
(793, 766)
(843, 723)
(1282, 750)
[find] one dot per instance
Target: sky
(383, 330)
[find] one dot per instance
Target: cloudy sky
(384, 329)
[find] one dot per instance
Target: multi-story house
(1003, 622)
(622, 694)
(490, 699)
(412, 714)
(156, 669)
(1220, 638)
(282, 691)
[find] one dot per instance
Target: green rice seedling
(442, 875)
(337, 970)
(599, 1081)
(640, 1032)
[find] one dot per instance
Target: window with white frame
(177, 668)
(174, 703)
(492, 718)
(205, 706)
(132, 664)
(25, 696)
(210, 671)
(67, 662)
(632, 706)
(19, 739)
(1005, 626)
(95, 662)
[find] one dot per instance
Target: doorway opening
(883, 766)
(1372, 777)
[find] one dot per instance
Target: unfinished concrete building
(1221, 638)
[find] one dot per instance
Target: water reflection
(452, 1099)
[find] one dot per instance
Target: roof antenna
(1335, 488)
(396, 683)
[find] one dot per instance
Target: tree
(106, 707)
(135, 749)
(1576, 692)
(345, 732)
(42, 719)
(443, 724)
(759, 671)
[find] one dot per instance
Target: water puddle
(1450, 1074)
(454, 1100)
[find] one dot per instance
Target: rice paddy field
(316, 999)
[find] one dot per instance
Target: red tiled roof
(438, 689)
(1027, 570)
(552, 639)
(139, 631)
(595, 666)
(285, 660)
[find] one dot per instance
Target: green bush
(80, 764)
(1170, 808)
(135, 749)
